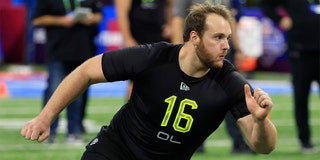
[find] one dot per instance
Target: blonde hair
(195, 20)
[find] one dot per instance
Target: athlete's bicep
(92, 69)
(233, 85)
(124, 64)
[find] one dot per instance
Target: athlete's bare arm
(257, 128)
(72, 86)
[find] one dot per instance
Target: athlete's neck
(189, 62)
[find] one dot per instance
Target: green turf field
(15, 112)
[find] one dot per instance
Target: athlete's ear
(194, 38)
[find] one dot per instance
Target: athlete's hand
(36, 130)
(259, 104)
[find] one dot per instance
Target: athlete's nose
(225, 44)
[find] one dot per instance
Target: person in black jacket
(141, 22)
(301, 20)
(71, 26)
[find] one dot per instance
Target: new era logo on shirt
(184, 87)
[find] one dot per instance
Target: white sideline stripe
(43, 146)
(13, 124)
(227, 142)
(281, 141)
(292, 142)
(93, 127)
(27, 111)
(109, 109)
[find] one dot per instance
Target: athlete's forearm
(264, 136)
(72, 86)
(261, 136)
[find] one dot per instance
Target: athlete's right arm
(71, 87)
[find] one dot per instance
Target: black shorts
(107, 145)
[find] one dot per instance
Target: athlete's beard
(207, 62)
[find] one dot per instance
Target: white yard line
(93, 127)
(41, 146)
(113, 109)
(17, 123)
(290, 142)
(31, 110)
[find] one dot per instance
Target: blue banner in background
(274, 57)
(109, 37)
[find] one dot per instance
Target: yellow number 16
(180, 114)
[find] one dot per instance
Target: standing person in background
(301, 20)
(180, 10)
(143, 21)
(71, 26)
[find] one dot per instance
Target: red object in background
(5, 3)
(112, 27)
(248, 64)
(13, 31)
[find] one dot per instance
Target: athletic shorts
(107, 145)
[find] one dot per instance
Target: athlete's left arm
(257, 128)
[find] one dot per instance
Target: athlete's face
(213, 46)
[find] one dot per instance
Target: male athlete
(180, 96)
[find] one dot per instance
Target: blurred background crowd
(23, 43)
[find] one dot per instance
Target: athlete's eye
(218, 37)
(229, 38)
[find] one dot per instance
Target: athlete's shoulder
(161, 45)
(228, 66)
(162, 50)
(220, 74)
(229, 74)
(165, 51)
